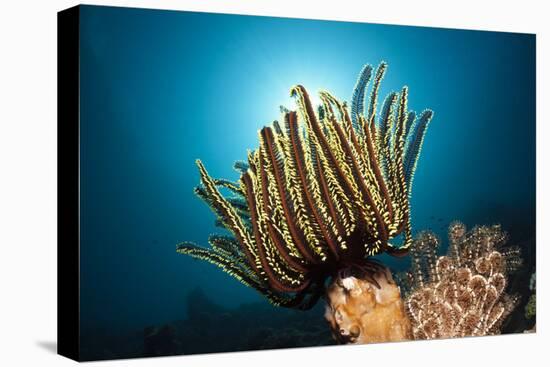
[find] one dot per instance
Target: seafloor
(209, 328)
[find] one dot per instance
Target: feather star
(326, 190)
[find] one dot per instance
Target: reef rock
(363, 311)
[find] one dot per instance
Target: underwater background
(160, 89)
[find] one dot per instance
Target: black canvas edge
(68, 216)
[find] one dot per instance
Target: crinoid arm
(228, 252)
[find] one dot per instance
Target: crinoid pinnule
(327, 189)
(464, 292)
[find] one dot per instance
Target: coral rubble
(464, 292)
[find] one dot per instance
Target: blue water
(160, 89)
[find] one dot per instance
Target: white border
(28, 181)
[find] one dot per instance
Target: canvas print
(252, 183)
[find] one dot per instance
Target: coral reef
(326, 190)
(464, 292)
(361, 311)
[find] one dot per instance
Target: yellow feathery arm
(332, 184)
(347, 212)
(351, 175)
(280, 274)
(301, 222)
(403, 197)
(397, 146)
(353, 168)
(227, 214)
(228, 264)
(280, 218)
(314, 136)
(362, 156)
(228, 185)
(300, 159)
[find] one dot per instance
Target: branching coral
(326, 190)
(462, 293)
